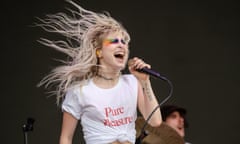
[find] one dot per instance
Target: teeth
(119, 53)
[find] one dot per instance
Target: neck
(106, 81)
(106, 78)
(108, 75)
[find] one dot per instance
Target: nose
(120, 45)
(181, 119)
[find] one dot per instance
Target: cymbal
(163, 134)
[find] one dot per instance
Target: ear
(98, 53)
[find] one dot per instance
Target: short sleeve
(71, 104)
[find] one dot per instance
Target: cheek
(127, 54)
(106, 44)
(171, 122)
(127, 50)
(107, 47)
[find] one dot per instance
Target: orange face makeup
(113, 41)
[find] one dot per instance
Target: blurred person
(175, 117)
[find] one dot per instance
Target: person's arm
(146, 97)
(147, 102)
(69, 124)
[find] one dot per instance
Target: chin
(121, 68)
(182, 134)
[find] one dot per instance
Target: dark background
(194, 43)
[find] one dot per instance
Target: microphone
(148, 71)
(152, 73)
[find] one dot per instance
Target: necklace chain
(101, 76)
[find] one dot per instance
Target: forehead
(175, 113)
(114, 35)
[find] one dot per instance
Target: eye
(114, 41)
(123, 41)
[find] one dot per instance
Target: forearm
(147, 101)
(150, 103)
(65, 140)
(68, 127)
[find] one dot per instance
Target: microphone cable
(143, 132)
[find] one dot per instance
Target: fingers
(137, 63)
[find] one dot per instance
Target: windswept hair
(83, 32)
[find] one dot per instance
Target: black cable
(143, 132)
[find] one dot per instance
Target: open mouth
(119, 55)
(180, 127)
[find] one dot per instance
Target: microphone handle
(150, 72)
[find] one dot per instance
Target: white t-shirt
(106, 115)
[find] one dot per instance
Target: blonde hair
(83, 32)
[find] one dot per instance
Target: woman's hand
(137, 63)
